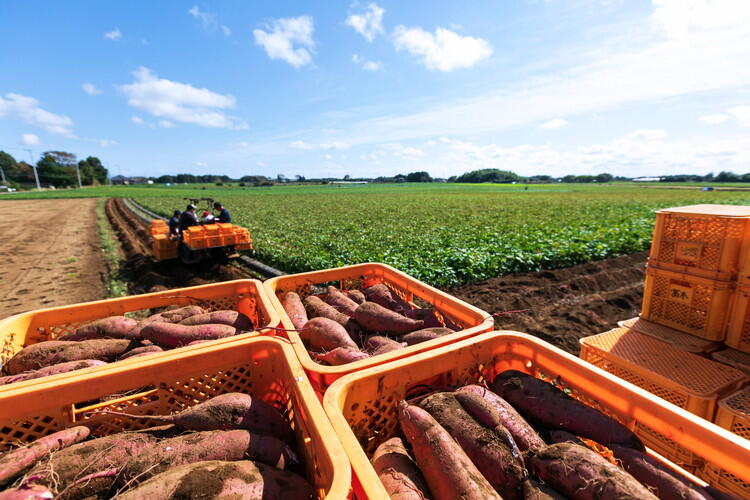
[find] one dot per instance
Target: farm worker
(208, 218)
(188, 218)
(174, 224)
(223, 213)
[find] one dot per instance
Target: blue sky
(630, 87)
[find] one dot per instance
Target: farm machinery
(213, 243)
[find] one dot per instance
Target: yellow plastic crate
(738, 329)
(702, 240)
(691, 304)
(263, 367)
(678, 339)
(246, 296)
(362, 406)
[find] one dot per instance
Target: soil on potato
(563, 305)
(51, 254)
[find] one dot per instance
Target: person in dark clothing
(223, 213)
(188, 218)
(174, 224)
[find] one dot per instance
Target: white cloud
(29, 140)
(90, 89)
(279, 42)
(369, 23)
(679, 19)
(444, 51)
(341, 146)
(741, 114)
(166, 124)
(647, 134)
(209, 21)
(555, 123)
(328, 157)
(179, 102)
(136, 119)
(201, 164)
(368, 65)
(27, 110)
(115, 34)
(105, 143)
(300, 145)
(714, 119)
(243, 144)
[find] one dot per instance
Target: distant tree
(62, 158)
(55, 173)
(489, 175)
(165, 179)
(746, 177)
(418, 177)
(299, 178)
(347, 177)
(540, 178)
(727, 177)
(92, 171)
(603, 178)
(8, 164)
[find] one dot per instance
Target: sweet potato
(295, 309)
(220, 479)
(27, 492)
(141, 351)
(383, 349)
(18, 460)
(54, 352)
(340, 356)
(177, 315)
(316, 308)
(113, 327)
(52, 370)
(324, 334)
(581, 473)
(231, 318)
(382, 295)
(523, 434)
(561, 436)
(449, 473)
(428, 316)
(490, 454)
(175, 335)
(373, 342)
(340, 301)
(425, 334)
(659, 479)
(233, 410)
(534, 490)
(487, 415)
(376, 318)
(356, 295)
(400, 476)
(207, 445)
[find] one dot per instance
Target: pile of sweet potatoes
(343, 326)
(118, 337)
(521, 438)
(230, 446)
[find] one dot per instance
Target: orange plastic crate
(214, 241)
(733, 358)
(472, 320)
(693, 305)
(228, 239)
(678, 339)
(158, 226)
(725, 481)
(262, 367)
(684, 379)
(211, 229)
(702, 240)
(362, 406)
(247, 296)
(738, 329)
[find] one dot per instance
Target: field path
(50, 254)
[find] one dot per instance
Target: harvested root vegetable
(177, 315)
(54, 352)
(534, 490)
(383, 349)
(377, 318)
(52, 370)
(316, 308)
(561, 436)
(230, 318)
(489, 453)
(340, 301)
(233, 410)
(295, 309)
(356, 295)
(141, 351)
(382, 295)
(174, 335)
(113, 327)
(400, 476)
(221, 479)
(27, 492)
(660, 480)
(581, 473)
(523, 434)
(425, 334)
(427, 316)
(340, 356)
(324, 334)
(551, 407)
(207, 445)
(449, 473)
(16, 461)
(374, 342)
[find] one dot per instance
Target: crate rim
(341, 482)
(309, 364)
(726, 453)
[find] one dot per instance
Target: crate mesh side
(725, 481)
(709, 233)
(693, 316)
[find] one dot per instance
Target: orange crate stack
(678, 339)
(731, 357)
(362, 406)
(164, 247)
(195, 237)
(158, 226)
(246, 296)
(262, 367)
(470, 319)
(691, 304)
(733, 415)
(738, 329)
(702, 240)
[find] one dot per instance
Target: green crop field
(445, 234)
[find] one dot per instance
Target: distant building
(647, 179)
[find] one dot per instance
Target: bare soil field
(50, 253)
